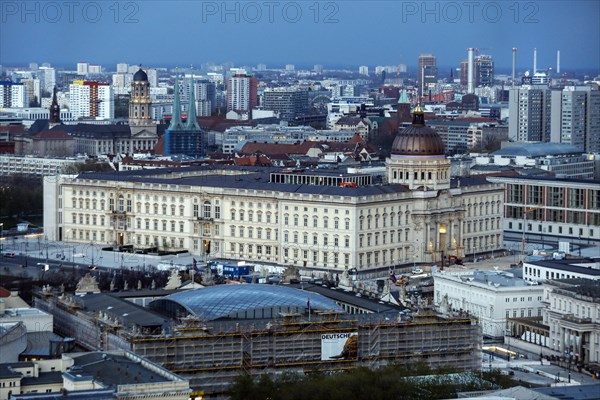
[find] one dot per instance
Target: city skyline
(336, 33)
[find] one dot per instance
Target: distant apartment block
(90, 99)
(576, 117)
(529, 113)
(13, 94)
(241, 93)
(235, 137)
(41, 166)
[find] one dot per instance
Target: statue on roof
(87, 284)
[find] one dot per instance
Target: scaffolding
(212, 360)
(212, 354)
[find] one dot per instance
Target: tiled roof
(57, 134)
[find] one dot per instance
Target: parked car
(10, 255)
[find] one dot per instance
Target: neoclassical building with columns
(314, 218)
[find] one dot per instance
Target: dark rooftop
(340, 295)
(43, 378)
(100, 394)
(254, 178)
(113, 369)
(124, 310)
(569, 265)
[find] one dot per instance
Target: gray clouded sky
(332, 33)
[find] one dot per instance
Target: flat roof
(568, 265)
(114, 369)
(125, 310)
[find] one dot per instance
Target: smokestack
(514, 64)
(534, 61)
(558, 61)
(471, 71)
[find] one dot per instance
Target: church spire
(192, 121)
(403, 97)
(54, 109)
(176, 114)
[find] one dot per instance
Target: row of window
(555, 196)
(520, 313)
(248, 232)
(294, 238)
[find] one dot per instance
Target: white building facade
(491, 296)
(89, 99)
(572, 314)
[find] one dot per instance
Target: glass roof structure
(538, 150)
(246, 301)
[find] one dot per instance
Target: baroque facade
(322, 219)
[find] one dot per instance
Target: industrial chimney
(471, 71)
(514, 64)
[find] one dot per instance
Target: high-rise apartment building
(91, 99)
(529, 112)
(34, 89)
(48, 79)
(241, 93)
(363, 70)
(82, 68)
(464, 72)
(122, 68)
(13, 95)
(576, 117)
(427, 74)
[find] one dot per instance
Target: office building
(288, 103)
(484, 71)
(562, 208)
(91, 99)
(427, 73)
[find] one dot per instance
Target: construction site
(211, 354)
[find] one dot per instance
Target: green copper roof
(176, 114)
(192, 121)
(403, 98)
